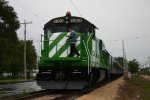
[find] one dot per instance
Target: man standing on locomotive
(72, 38)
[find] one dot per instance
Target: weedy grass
(137, 88)
(145, 85)
(10, 80)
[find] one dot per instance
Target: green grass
(3, 95)
(6, 89)
(13, 80)
(144, 84)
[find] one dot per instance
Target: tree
(8, 22)
(133, 66)
(11, 49)
(8, 38)
(30, 54)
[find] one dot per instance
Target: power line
(29, 10)
(75, 7)
(129, 38)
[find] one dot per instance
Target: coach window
(111, 64)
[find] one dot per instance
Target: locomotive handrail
(89, 50)
(88, 57)
(88, 53)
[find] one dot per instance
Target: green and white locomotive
(59, 71)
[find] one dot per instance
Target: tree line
(11, 48)
(133, 65)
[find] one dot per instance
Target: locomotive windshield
(63, 28)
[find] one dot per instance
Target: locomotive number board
(73, 20)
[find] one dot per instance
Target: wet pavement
(16, 88)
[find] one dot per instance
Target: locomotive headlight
(67, 22)
(67, 18)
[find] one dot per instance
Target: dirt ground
(132, 89)
(107, 92)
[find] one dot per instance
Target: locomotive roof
(74, 20)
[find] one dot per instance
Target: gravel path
(107, 92)
(47, 97)
(145, 77)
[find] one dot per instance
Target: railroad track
(56, 94)
(77, 93)
(26, 96)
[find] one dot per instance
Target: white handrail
(88, 57)
(89, 50)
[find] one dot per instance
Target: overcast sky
(117, 20)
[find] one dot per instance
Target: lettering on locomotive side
(74, 20)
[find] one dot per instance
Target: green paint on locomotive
(97, 57)
(104, 58)
(54, 52)
(56, 59)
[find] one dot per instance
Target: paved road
(19, 87)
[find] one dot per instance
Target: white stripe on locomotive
(67, 51)
(60, 44)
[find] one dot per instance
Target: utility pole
(25, 66)
(124, 63)
(123, 52)
(143, 69)
(149, 61)
(149, 65)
